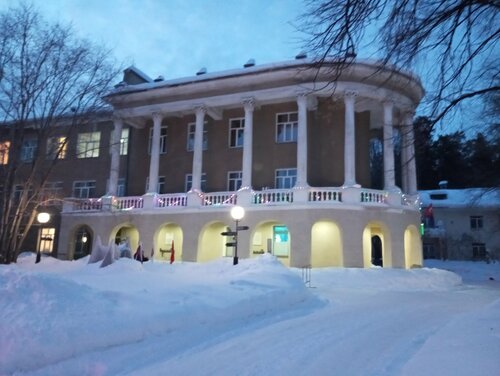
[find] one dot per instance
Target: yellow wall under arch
(377, 229)
(326, 244)
(413, 247)
(163, 240)
(211, 244)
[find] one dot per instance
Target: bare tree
(453, 42)
(50, 80)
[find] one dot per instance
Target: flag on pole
(172, 253)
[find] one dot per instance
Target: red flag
(428, 211)
(172, 253)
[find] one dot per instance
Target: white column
(350, 140)
(154, 164)
(198, 148)
(410, 165)
(389, 176)
(246, 180)
(115, 156)
(404, 159)
(302, 142)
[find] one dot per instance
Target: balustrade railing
(170, 200)
(219, 198)
(325, 195)
(373, 196)
(271, 197)
(275, 196)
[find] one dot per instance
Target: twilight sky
(175, 38)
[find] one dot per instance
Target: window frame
(4, 152)
(90, 150)
(57, 147)
(476, 222)
(281, 180)
(28, 149)
(234, 183)
(163, 139)
(88, 188)
(188, 182)
(290, 128)
(237, 131)
(191, 129)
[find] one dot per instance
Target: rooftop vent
(159, 79)
(249, 63)
(301, 55)
(443, 184)
(201, 71)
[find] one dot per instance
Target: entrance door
(377, 251)
(281, 241)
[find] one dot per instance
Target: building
(461, 224)
(288, 142)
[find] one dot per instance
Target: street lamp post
(237, 213)
(42, 218)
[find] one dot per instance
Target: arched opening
(272, 237)
(377, 247)
(326, 245)
(377, 259)
(126, 236)
(413, 248)
(169, 236)
(83, 242)
(211, 245)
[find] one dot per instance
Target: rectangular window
(56, 147)
(87, 145)
(236, 130)
(120, 188)
(285, 178)
(84, 189)
(46, 244)
(189, 182)
(163, 139)
(286, 127)
(476, 222)
(234, 180)
(160, 187)
(28, 150)
(190, 137)
(124, 142)
(4, 152)
(478, 250)
(52, 192)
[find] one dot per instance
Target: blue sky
(175, 38)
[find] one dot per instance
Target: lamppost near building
(42, 218)
(237, 213)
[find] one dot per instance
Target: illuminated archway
(413, 247)
(167, 235)
(326, 244)
(377, 234)
(83, 240)
(129, 235)
(272, 237)
(211, 245)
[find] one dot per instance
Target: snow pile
(256, 318)
(88, 308)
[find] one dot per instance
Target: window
(476, 222)
(285, 178)
(28, 150)
(189, 182)
(87, 145)
(51, 191)
(163, 139)
(478, 250)
(236, 130)
(124, 142)
(84, 189)
(286, 127)
(190, 137)
(160, 187)
(120, 188)
(56, 148)
(234, 180)
(4, 152)
(46, 243)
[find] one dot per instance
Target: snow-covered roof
(247, 69)
(461, 198)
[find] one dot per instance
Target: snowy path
(356, 332)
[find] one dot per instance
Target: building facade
(461, 224)
(289, 142)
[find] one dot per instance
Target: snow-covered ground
(256, 318)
